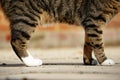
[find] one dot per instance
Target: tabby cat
(25, 15)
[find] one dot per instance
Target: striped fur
(25, 15)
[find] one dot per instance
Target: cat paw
(31, 62)
(94, 62)
(108, 62)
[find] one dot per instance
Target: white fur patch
(30, 61)
(108, 62)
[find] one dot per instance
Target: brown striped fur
(24, 15)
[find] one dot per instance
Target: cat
(25, 15)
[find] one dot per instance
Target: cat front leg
(94, 32)
(96, 43)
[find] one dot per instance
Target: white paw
(108, 62)
(30, 61)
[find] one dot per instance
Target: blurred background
(61, 35)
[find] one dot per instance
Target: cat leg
(87, 56)
(19, 40)
(95, 40)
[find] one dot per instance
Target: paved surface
(59, 64)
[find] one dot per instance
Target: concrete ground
(58, 64)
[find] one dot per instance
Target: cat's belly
(47, 19)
